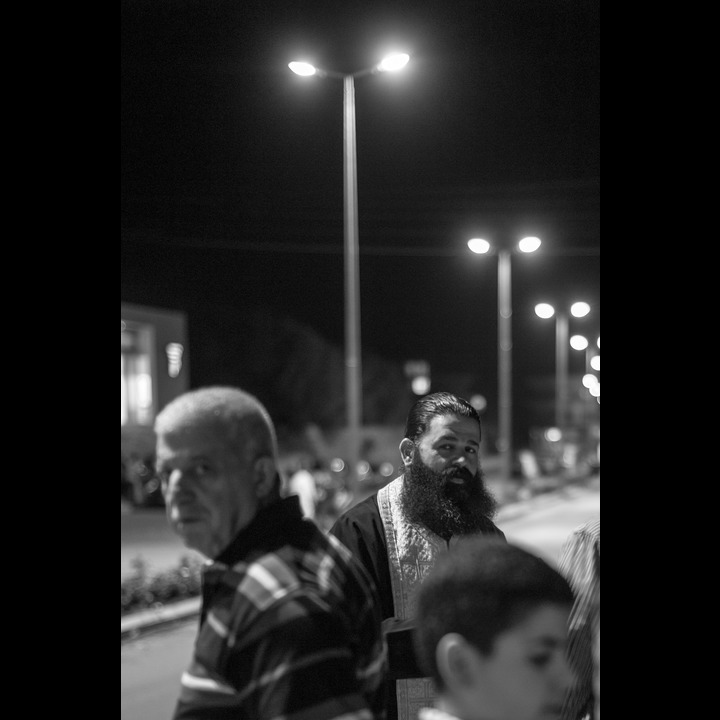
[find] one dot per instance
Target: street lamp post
(561, 369)
(504, 440)
(353, 358)
(353, 366)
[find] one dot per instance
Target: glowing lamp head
(478, 245)
(302, 68)
(394, 62)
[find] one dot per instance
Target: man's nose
(464, 458)
(174, 480)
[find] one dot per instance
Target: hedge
(142, 591)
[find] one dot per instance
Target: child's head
(491, 630)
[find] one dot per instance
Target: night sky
(232, 167)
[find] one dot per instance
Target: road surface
(551, 520)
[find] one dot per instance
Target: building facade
(154, 369)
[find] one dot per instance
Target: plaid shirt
(288, 629)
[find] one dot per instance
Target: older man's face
(209, 489)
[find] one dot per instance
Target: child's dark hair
(479, 589)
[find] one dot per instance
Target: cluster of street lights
(353, 368)
(592, 363)
(563, 343)
(504, 342)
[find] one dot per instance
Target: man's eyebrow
(452, 436)
(447, 436)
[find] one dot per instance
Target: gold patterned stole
(412, 551)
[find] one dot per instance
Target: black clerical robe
(360, 529)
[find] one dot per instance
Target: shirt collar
(264, 528)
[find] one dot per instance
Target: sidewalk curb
(132, 625)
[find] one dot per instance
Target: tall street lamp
(504, 441)
(353, 367)
(562, 343)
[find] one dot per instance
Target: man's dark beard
(445, 507)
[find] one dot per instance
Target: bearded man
(400, 531)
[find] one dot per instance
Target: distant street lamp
(353, 367)
(562, 343)
(592, 363)
(504, 441)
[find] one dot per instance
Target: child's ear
(265, 474)
(454, 659)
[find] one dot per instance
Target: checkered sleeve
(271, 648)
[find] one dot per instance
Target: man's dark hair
(433, 405)
(481, 588)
